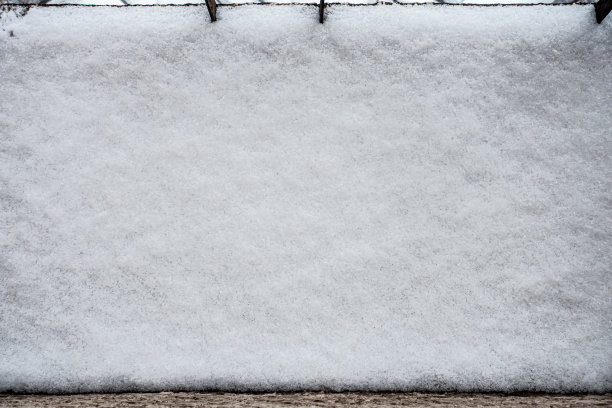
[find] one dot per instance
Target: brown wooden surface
(211, 5)
(309, 399)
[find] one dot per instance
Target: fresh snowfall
(402, 198)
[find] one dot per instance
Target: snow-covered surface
(400, 198)
(313, 2)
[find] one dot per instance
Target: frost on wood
(401, 198)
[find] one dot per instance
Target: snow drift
(403, 198)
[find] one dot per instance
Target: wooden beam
(211, 5)
(321, 10)
(602, 8)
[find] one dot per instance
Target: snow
(402, 198)
(302, 2)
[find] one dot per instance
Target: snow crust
(313, 2)
(403, 198)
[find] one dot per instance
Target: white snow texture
(402, 198)
(313, 2)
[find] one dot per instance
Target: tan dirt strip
(307, 399)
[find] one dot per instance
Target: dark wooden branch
(321, 10)
(211, 5)
(602, 8)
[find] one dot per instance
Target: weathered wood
(321, 10)
(211, 5)
(305, 399)
(602, 8)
